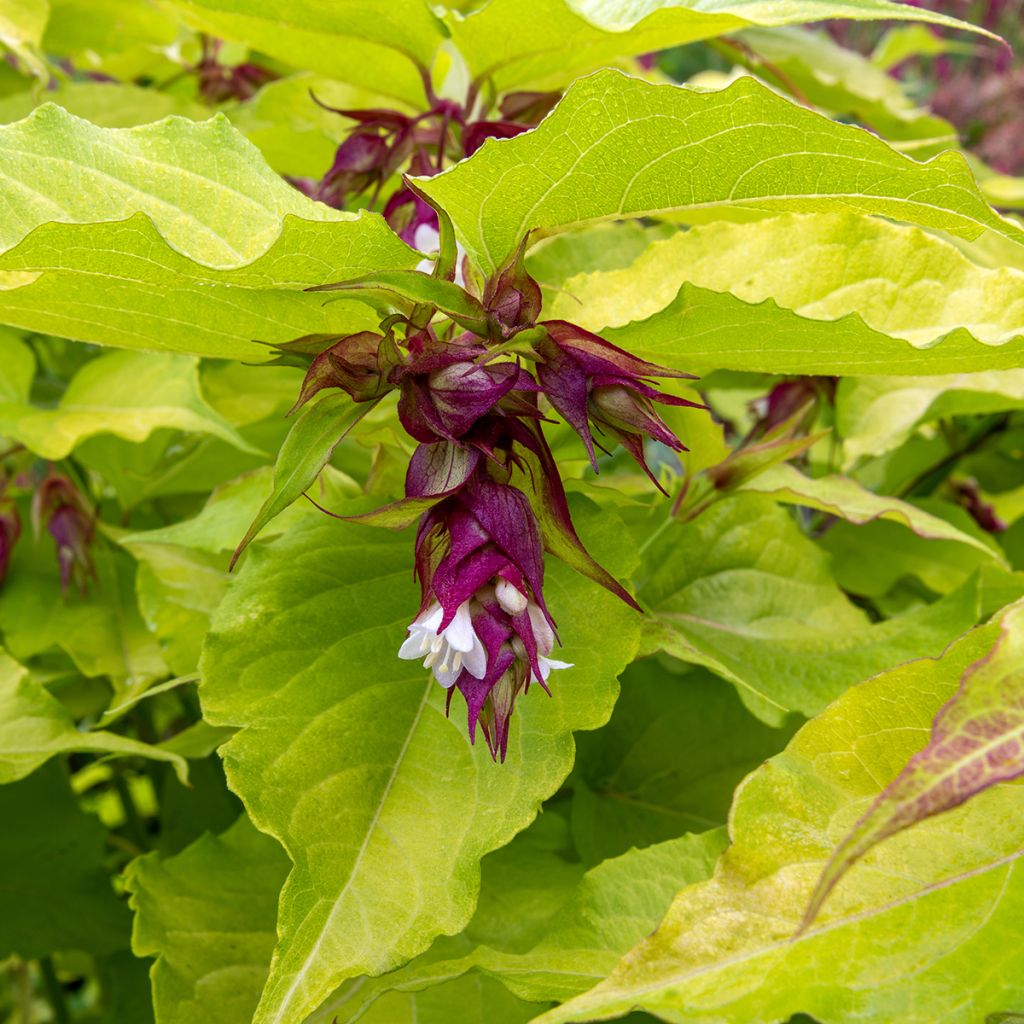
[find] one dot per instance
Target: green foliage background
(783, 793)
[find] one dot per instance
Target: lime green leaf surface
(666, 763)
(315, 434)
(34, 727)
(845, 83)
(175, 235)
(870, 297)
(742, 591)
(129, 394)
(207, 915)
(347, 757)
(104, 635)
(22, 23)
(205, 188)
(56, 894)
(614, 905)
(19, 368)
(977, 740)
(563, 38)
(905, 931)
(847, 499)
(369, 44)
(874, 415)
(619, 147)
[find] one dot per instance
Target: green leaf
(107, 104)
(219, 251)
(844, 82)
(19, 368)
(471, 999)
(899, 44)
(345, 748)
(977, 740)
(563, 38)
(742, 591)
(317, 431)
(129, 394)
(207, 915)
(874, 415)
(374, 46)
(847, 499)
(905, 931)
(620, 147)
(22, 23)
(104, 635)
(666, 763)
(34, 727)
(56, 894)
(858, 295)
(209, 195)
(614, 906)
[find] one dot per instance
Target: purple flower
(71, 524)
(219, 83)
(10, 531)
(590, 381)
(483, 626)
(357, 363)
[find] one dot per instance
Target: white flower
(446, 653)
(545, 639)
(428, 239)
(510, 597)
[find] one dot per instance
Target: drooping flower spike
(71, 523)
(482, 480)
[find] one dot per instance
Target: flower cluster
(218, 83)
(482, 481)
(384, 142)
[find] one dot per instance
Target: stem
(54, 991)
(22, 985)
(132, 819)
(928, 480)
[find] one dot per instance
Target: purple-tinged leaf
(977, 740)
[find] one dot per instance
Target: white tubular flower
(545, 639)
(447, 653)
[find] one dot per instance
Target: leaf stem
(54, 991)
(133, 820)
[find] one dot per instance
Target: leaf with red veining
(977, 740)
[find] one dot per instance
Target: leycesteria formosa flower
(72, 525)
(482, 481)
(483, 627)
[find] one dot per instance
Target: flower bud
(10, 531)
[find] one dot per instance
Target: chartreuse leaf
(216, 249)
(874, 415)
(56, 894)
(34, 726)
(129, 394)
(977, 740)
(836, 293)
(470, 999)
(104, 635)
(207, 915)
(845, 82)
(317, 431)
(107, 104)
(22, 23)
(613, 907)
(621, 147)
(904, 932)
(19, 368)
(667, 762)
(346, 755)
(840, 496)
(563, 38)
(363, 42)
(742, 591)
